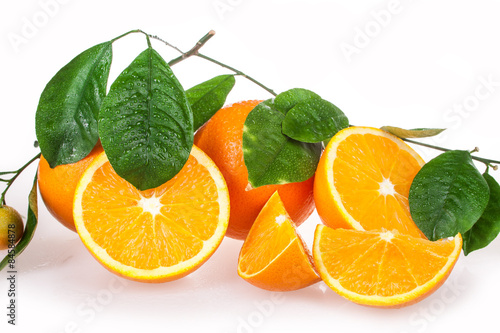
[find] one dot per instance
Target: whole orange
(221, 138)
(57, 186)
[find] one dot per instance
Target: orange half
(273, 256)
(363, 181)
(383, 268)
(155, 235)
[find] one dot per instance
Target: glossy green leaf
(286, 100)
(412, 133)
(146, 123)
(313, 120)
(448, 195)
(208, 97)
(29, 229)
(270, 156)
(487, 228)
(66, 117)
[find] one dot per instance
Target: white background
(404, 63)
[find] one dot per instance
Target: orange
(57, 186)
(155, 235)
(222, 139)
(383, 268)
(363, 181)
(273, 256)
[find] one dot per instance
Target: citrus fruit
(363, 181)
(154, 235)
(273, 256)
(382, 268)
(222, 139)
(57, 186)
(11, 226)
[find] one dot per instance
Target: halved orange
(363, 181)
(273, 256)
(383, 268)
(155, 235)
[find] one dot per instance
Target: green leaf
(412, 133)
(314, 120)
(286, 100)
(29, 229)
(66, 118)
(270, 156)
(209, 97)
(487, 228)
(448, 195)
(146, 123)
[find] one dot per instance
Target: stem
(165, 42)
(195, 52)
(487, 162)
(127, 33)
(16, 174)
(238, 72)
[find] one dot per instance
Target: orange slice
(155, 235)
(363, 181)
(273, 256)
(382, 268)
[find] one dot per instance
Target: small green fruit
(11, 227)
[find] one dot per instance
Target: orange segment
(382, 268)
(273, 256)
(155, 235)
(363, 181)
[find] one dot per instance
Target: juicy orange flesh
(366, 263)
(374, 187)
(154, 228)
(272, 234)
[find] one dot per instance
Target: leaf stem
(16, 174)
(487, 162)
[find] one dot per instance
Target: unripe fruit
(11, 227)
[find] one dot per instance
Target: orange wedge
(155, 235)
(273, 256)
(363, 181)
(383, 268)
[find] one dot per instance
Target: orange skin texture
(221, 138)
(57, 186)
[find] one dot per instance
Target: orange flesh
(154, 228)
(368, 264)
(359, 178)
(270, 237)
(273, 256)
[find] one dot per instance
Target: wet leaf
(448, 195)
(486, 229)
(146, 123)
(314, 120)
(209, 97)
(286, 100)
(66, 117)
(272, 157)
